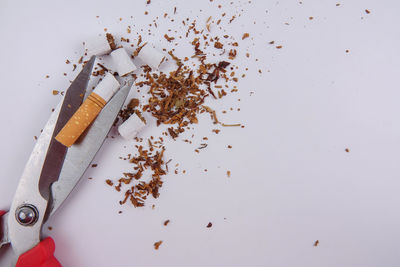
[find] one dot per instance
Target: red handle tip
(40, 256)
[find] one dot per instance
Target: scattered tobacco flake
(56, 92)
(102, 67)
(209, 225)
(157, 244)
(94, 165)
(231, 125)
(100, 72)
(178, 61)
(145, 160)
(124, 40)
(245, 35)
(137, 51)
(166, 222)
(229, 146)
(148, 2)
(67, 61)
(367, 11)
(202, 146)
(279, 46)
(169, 39)
(316, 243)
(347, 51)
(172, 133)
(47, 76)
(50, 228)
(74, 67)
(272, 42)
(133, 103)
(218, 45)
(111, 41)
(347, 150)
(232, 54)
(228, 173)
(109, 182)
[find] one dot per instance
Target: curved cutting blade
(43, 167)
(80, 155)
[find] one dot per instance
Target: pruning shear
(51, 173)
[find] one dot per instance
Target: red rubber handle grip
(40, 256)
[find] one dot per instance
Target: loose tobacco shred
(146, 159)
(175, 99)
(157, 244)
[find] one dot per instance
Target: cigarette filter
(88, 111)
(122, 62)
(151, 56)
(98, 46)
(131, 127)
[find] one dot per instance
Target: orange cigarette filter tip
(88, 111)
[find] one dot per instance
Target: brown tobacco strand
(231, 125)
(175, 99)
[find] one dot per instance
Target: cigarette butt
(98, 45)
(107, 87)
(151, 56)
(131, 127)
(122, 61)
(81, 119)
(88, 111)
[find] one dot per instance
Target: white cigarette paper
(107, 87)
(131, 127)
(122, 62)
(97, 46)
(151, 56)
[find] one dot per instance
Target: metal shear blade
(36, 191)
(77, 158)
(28, 209)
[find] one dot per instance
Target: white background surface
(292, 181)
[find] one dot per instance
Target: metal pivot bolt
(26, 215)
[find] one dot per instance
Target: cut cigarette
(131, 127)
(97, 46)
(151, 56)
(88, 111)
(122, 62)
(107, 87)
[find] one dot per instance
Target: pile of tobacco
(174, 100)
